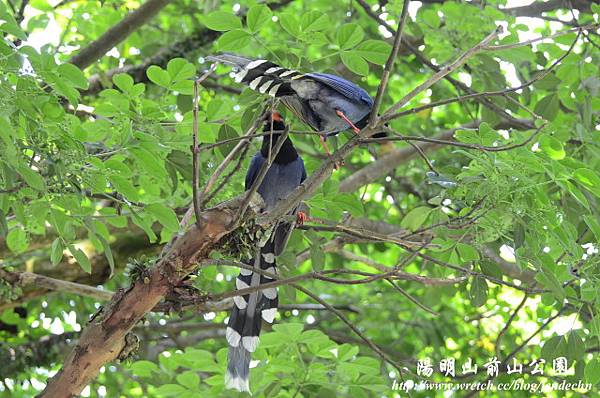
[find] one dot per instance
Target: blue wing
(343, 86)
(303, 177)
(255, 165)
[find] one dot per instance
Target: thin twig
(195, 148)
(527, 42)
(223, 165)
(456, 143)
(389, 63)
(228, 176)
(273, 151)
(411, 298)
(344, 319)
(508, 323)
(539, 76)
(443, 72)
(424, 157)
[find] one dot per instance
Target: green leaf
(355, 63)
(575, 345)
(234, 40)
(346, 352)
(42, 5)
(165, 215)
(592, 371)
(17, 241)
(125, 187)
(594, 225)
(467, 252)
(467, 136)
(430, 17)
(292, 330)
(56, 252)
(180, 69)
(32, 178)
(549, 280)
(415, 218)
(350, 203)
(317, 257)
(589, 179)
(66, 90)
(189, 379)
(185, 87)
(552, 147)
(107, 252)
(74, 75)
(143, 368)
(349, 35)
(577, 194)
(150, 162)
(290, 24)
(478, 292)
(222, 21)
(82, 259)
(257, 16)
(314, 21)
(548, 107)
(158, 76)
(123, 81)
(375, 51)
(8, 23)
(550, 349)
(170, 390)
(3, 224)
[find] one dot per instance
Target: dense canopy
(468, 235)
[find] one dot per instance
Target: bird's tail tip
(236, 382)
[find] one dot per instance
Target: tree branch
(28, 278)
(389, 63)
(104, 337)
(119, 32)
(443, 72)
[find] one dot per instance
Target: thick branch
(537, 8)
(104, 337)
(44, 282)
(96, 49)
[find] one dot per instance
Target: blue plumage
(343, 86)
(327, 103)
(283, 176)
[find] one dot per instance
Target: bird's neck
(286, 154)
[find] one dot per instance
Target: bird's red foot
(301, 218)
(354, 128)
(336, 165)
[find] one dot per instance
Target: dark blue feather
(343, 86)
(253, 169)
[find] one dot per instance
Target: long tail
(246, 317)
(260, 75)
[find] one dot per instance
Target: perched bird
(327, 103)
(283, 176)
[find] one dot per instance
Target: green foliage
(95, 174)
(290, 360)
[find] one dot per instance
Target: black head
(275, 124)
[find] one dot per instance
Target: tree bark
(104, 338)
(116, 34)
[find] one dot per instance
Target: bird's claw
(301, 218)
(338, 165)
(345, 118)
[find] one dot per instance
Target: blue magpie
(327, 103)
(283, 176)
